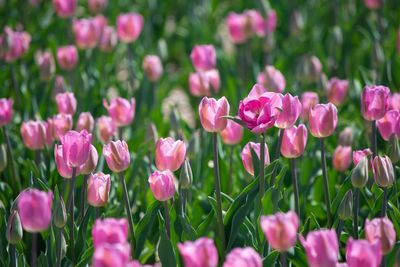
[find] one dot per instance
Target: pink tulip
(97, 6)
(63, 169)
(121, 110)
(59, 85)
(116, 255)
(383, 171)
(361, 253)
(85, 122)
(50, 132)
(256, 22)
(211, 112)
(62, 123)
(321, 248)
(65, 8)
(152, 67)
(291, 108)
(170, 154)
(67, 57)
(107, 128)
(387, 125)
(238, 27)
(272, 79)
(247, 158)
(315, 70)
(337, 90)
(34, 134)
(323, 120)
(109, 231)
(66, 103)
(90, 165)
(6, 111)
(98, 189)
(358, 154)
(271, 21)
(201, 83)
(108, 39)
(86, 33)
(381, 230)
(34, 208)
(46, 65)
(374, 102)
(243, 257)
(281, 229)
(162, 185)
(117, 155)
(372, 4)
(294, 141)
(260, 109)
(394, 102)
(100, 23)
(203, 57)
(199, 253)
(341, 159)
(308, 101)
(13, 45)
(76, 147)
(232, 134)
(129, 26)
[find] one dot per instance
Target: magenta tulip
(162, 185)
(152, 67)
(394, 102)
(170, 154)
(85, 122)
(374, 102)
(86, 33)
(76, 147)
(67, 57)
(109, 231)
(97, 6)
(212, 112)
(323, 120)
(294, 141)
(308, 101)
(106, 128)
(62, 123)
(247, 158)
(232, 134)
(361, 253)
(6, 111)
(14, 44)
(271, 21)
(237, 25)
(108, 39)
(199, 253)
(129, 26)
(98, 189)
(243, 257)
(290, 112)
(387, 125)
(272, 79)
(201, 83)
(121, 110)
(116, 255)
(63, 169)
(381, 230)
(65, 8)
(341, 159)
(117, 155)
(66, 103)
(203, 57)
(34, 134)
(357, 155)
(337, 90)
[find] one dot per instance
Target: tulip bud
(374, 102)
(3, 157)
(246, 257)
(202, 252)
(186, 175)
(337, 90)
(108, 39)
(211, 112)
(308, 100)
(97, 6)
(162, 185)
(383, 171)
(129, 26)
(65, 8)
(14, 228)
(359, 176)
(232, 134)
(106, 128)
(394, 149)
(272, 79)
(203, 57)
(346, 206)
(6, 111)
(121, 110)
(117, 155)
(45, 62)
(170, 154)
(152, 67)
(90, 165)
(98, 189)
(59, 213)
(341, 158)
(86, 122)
(381, 229)
(323, 120)
(67, 57)
(346, 137)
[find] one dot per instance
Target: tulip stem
(59, 232)
(373, 140)
(384, 202)
(83, 196)
(339, 229)
(261, 172)
(295, 183)
(220, 222)
(130, 66)
(33, 250)
(12, 255)
(15, 177)
(128, 209)
(326, 183)
(276, 156)
(284, 262)
(71, 200)
(167, 219)
(230, 178)
(355, 211)
(97, 212)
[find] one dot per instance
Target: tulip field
(200, 133)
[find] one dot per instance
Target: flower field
(199, 133)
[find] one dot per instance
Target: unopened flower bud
(59, 213)
(382, 168)
(3, 157)
(359, 176)
(346, 137)
(186, 175)
(14, 228)
(394, 149)
(346, 206)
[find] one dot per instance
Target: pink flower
(281, 229)
(34, 134)
(108, 39)
(65, 8)
(272, 79)
(238, 27)
(86, 33)
(62, 123)
(67, 57)
(271, 21)
(121, 110)
(294, 141)
(361, 253)
(6, 111)
(98, 189)
(372, 4)
(211, 112)
(97, 6)
(85, 122)
(152, 67)
(199, 253)
(201, 83)
(117, 155)
(381, 230)
(107, 128)
(116, 255)
(341, 159)
(256, 22)
(13, 45)
(315, 66)
(358, 154)
(291, 108)
(50, 132)
(394, 102)
(170, 154)
(374, 102)
(34, 208)
(129, 26)
(247, 158)
(162, 185)
(383, 171)
(232, 134)
(337, 90)
(308, 101)
(321, 248)
(66, 103)
(323, 120)
(243, 257)
(45, 62)
(387, 125)
(203, 57)
(63, 169)
(90, 165)
(109, 231)
(76, 147)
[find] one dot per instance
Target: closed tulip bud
(59, 212)
(97, 6)
(345, 210)
(346, 137)
(109, 231)
(106, 128)
(34, 208)
(98, 189)
(374, 102)
(337, 90)
(212, 112)
(359, 176)
(152, 67)
(65, 8)
(280, 230)
(341, 159)
(323, 120)
(247, 158)
(243, 257)
(13, 44)
(108, 39)
(315, 68)
(129, 26)
(91, 163)
(201, 83)
(45, 62)
(170, 154)
(117, 155)
(33, 134)
(388, 124)
(3, 157)
(232, 134)
(372, 4)
(308, 101)
(86, 33)
(294, 141)
(394, 149)
(363, 253)
(382, 230)
(201, 252)
(67, 57)
(272, 79)
(290, 112)
(204, 57)
(383, 171)
(59, 85)
(186, 175)
(162, 185)
(66, 103)
(76, 147)
(112, 255)
(63, 169)
(14, 228)
(85, 122)
(6, 111)
(121, 110)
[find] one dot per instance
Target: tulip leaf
(271, 259)
(165, 250)
(237, 120)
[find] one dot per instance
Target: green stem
(276, 156)
(220, 222)
(384, 202)
(295, 183)
(59, 238)
(12, 255)
(166, 218)
(284, 262)
(71, 200)
(230, 177)
(355, 211)
(339, 229)
(33, 250)
(261, 172)
(128, 209)
(326, 183)
(373, 140)
(83, 196)
(15, 178)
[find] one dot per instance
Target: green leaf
(86, 257)
(237, 120)
(165, 250)
(271, 259)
